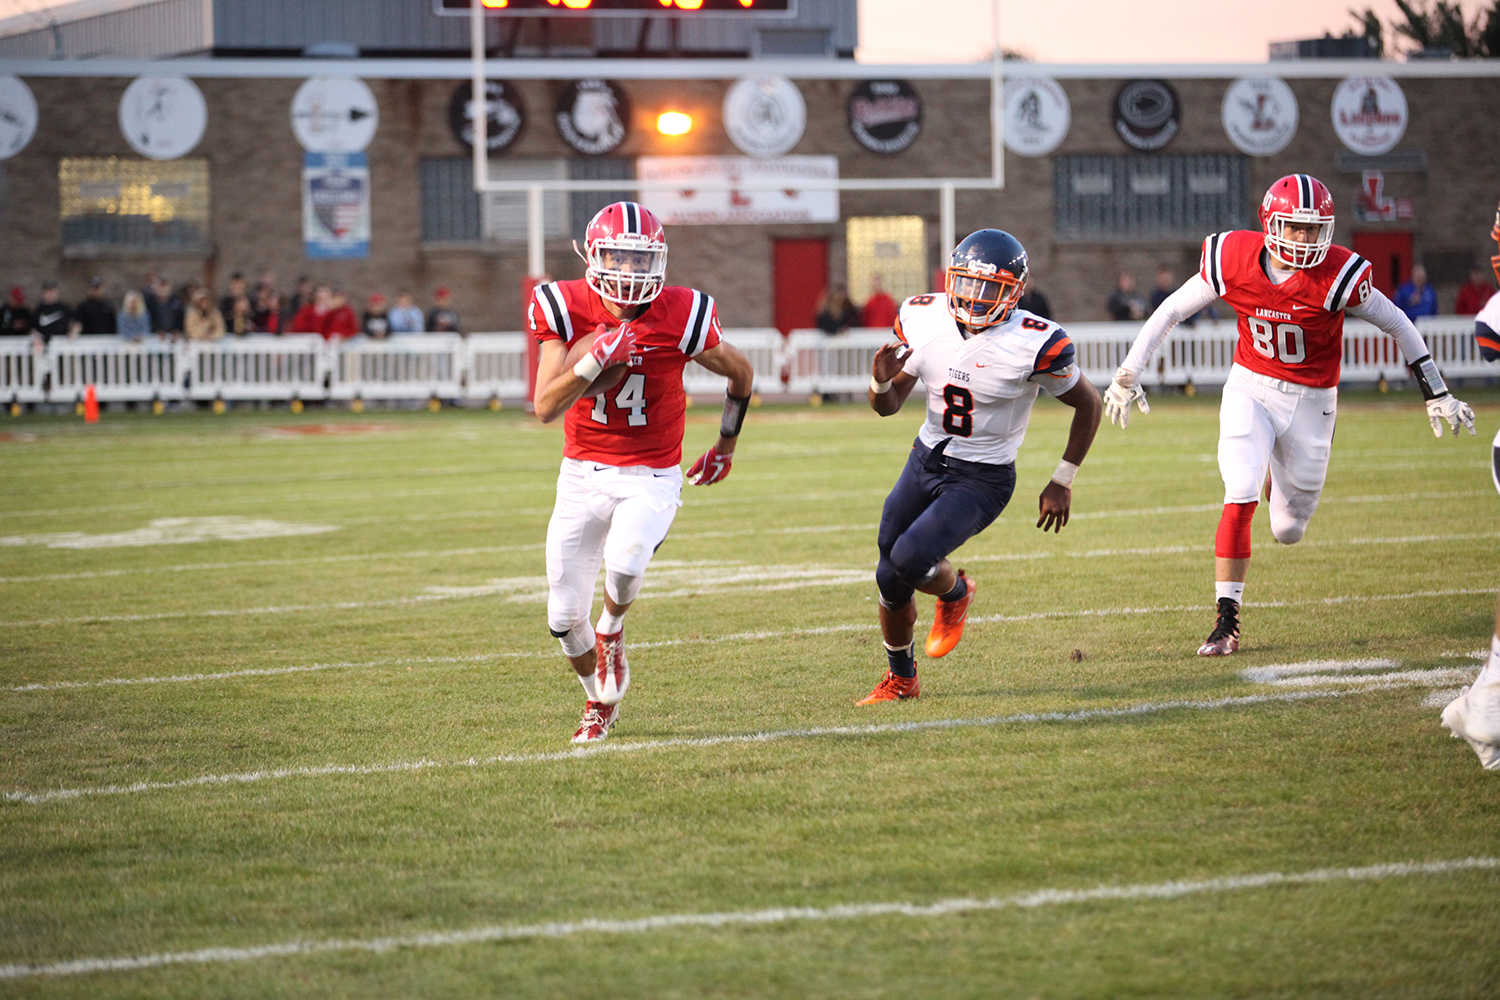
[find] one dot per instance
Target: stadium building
(332, 138)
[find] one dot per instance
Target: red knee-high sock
(1233, 539)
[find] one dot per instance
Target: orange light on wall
(693, 4)
(572, 4)
(496, 4)
(674, 123)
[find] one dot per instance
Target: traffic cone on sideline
(90, 405)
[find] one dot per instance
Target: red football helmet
(1302, 200)
(626, 253)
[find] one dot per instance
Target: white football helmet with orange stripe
(625, 249)
(1302, 200)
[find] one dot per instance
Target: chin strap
(1424, 370)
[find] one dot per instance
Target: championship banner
(336, 205)
(690, 206)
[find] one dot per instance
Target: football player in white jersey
(983, 362)
(1475, 714)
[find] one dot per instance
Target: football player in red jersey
(1475, 714)
(620, 484)
(1290, 287)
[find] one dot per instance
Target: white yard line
(584, 752)
(1036, 899)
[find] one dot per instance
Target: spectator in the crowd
(155, 307)
(1415, 296)
(15, 318)
(95, 314)
(267, 283)
(1035, 302)
(304, 296)
(1474, 293)
(836, 313)
(341, 321)
(202, 320)
(880, 309)
(241, 318)
(238, 289)
(377, 323)
(1124, 304)
(133, 322)
(170, 317)
(310, 318)
(406, 317)
(267, 310)
(1165, 285)
(53, 317)
(442, 318)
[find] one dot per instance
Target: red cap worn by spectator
(442, 292)
(376, 299)
(17, 295)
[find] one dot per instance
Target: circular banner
(1147, 114)
(163, 117)
(885, 115)
(503, 111)
(1369, 113)
(18, 116)
(592, 116)
(1260, 115)
(764, 115)
(335, 114)
(1037, 115)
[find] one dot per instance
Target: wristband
(588, 368)
(734, 415)
(879, 388)
(1428, 378)
(1066, 470)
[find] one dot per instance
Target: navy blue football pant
(938, 504)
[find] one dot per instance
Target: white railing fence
(488, 366)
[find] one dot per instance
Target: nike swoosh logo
(1327, 413)
(600, 468)
(983, 366)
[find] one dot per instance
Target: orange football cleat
(948, 621)
(893, 688)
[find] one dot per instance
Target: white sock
(1225, 588)
(610, 624)
(1491, 672)
(590, 685)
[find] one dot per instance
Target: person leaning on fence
(1124, 303)
(1415, 296)
(95, 314)
(53, 317)
(340, 323)
(880, 309)
(442, 319)
(238, 289)
(1473, 294)
(240, 320)
(267, 311)
(133, 323)
(406, 317)
(310, 317)
(837, 313)
(377, 322)
(15, 317)
(203, 321)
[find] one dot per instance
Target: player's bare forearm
(1087, 409)
(889, 402)
(727, 360)
(557, 388)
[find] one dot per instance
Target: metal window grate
(450, 206)
(1107, 197)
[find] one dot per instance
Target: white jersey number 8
(1283, 343)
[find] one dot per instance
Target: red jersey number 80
(1284, 342)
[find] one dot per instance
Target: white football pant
(609, 513)
(1266, 422)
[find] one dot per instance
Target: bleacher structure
(483, 367)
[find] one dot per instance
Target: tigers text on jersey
(980, 390)
(1295, 330)
(640, 420)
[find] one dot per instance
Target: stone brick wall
(255, 165)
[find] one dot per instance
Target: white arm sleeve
(1194, 294)
(1381, 312)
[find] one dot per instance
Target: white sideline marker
(751, 918)
(585, 752)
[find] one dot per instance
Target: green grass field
(239, 761)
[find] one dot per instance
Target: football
(608, 379)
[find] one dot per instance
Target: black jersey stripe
(1339, 297)
(697, 327)
(551, 300)
(1215, 272)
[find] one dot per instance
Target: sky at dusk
(1072, 31)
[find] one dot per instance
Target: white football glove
(1455, 411)
(1123, 390)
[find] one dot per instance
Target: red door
(800, 275)
(1389, 255)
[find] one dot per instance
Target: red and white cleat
(613, 675)
(893, 688)
(948, 621)
(598, 720)
(1225, 638)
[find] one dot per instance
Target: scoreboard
(624, 8)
